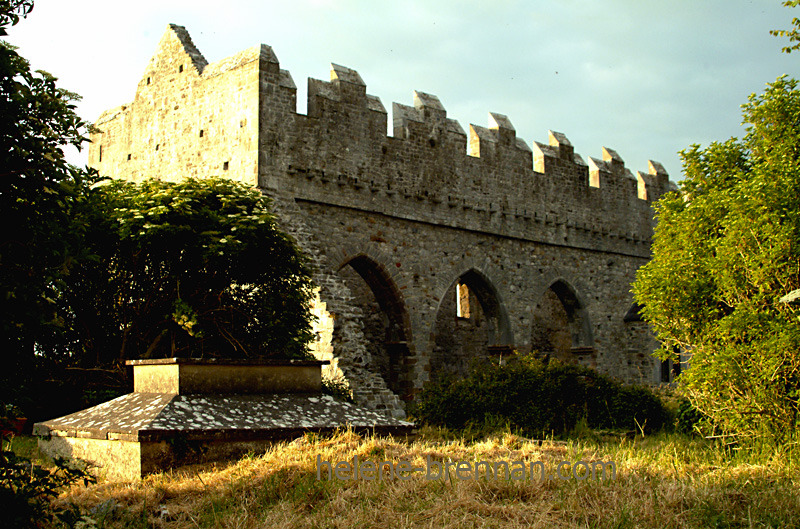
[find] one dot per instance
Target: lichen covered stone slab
(157, 416)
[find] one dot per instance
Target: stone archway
(385, 321)
(561, 326)
(471, 324)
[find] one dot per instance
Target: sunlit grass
(662, 481)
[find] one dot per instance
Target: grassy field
(664, 481)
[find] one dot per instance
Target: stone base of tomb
(203, 411)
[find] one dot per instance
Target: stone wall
(547, 244)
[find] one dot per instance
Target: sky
(645, 78)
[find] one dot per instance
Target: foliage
(793, 34)
(197, 268)
(725, 251)
(11, 11)
(57, 389)
(337, 388)
(39, 194)
(26, 488)
(538, 398)
(687, 418)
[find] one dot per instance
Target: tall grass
(662, 481)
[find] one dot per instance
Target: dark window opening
(180, 69)
(225, 166)
(129, 156)
(671, 369)
(634, 314)
(157, 146)
(665, 365)
(148, 80)
(201, 133)
(100, 154)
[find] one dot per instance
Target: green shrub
(337, 388)
(725, 261)
(687, 417)
(53, 389)
(26, 488)
(535, 398)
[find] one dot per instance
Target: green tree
(793, 34)
(39, 193)
(725, 251)
(196, 268)
(11, 11)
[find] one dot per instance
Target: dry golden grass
(661, 482)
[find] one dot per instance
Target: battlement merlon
(499, 137)
(559, 148)
(506, 133)
(610, 170)
(345, 87)
(427, 120)
(430, 106)
(351, 87)
(654, 183)
(561, 144)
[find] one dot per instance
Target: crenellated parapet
(237, 117)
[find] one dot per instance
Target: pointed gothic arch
(561, 325)
(386, 323)
(471, 323)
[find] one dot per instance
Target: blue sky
(645, 78)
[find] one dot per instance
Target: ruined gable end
(189, 118)
(175, 54)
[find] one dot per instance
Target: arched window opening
(561, 325)
(384, 322)
(471, 326)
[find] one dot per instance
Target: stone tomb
(185, 411)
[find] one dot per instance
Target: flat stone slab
(141, 417)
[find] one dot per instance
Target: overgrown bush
(725, 261)
(51, 389)
(198, 268)
(538, 398)
(687, 417)
(26, 488)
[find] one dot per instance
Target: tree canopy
(793, 34)
(92, 274)
(196, 268)
(39, 193)
(725, 252)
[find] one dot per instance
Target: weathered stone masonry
(432, 247)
